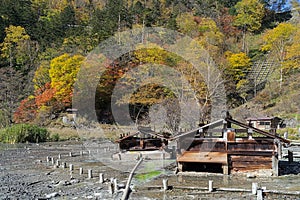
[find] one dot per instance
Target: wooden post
(80, 171)
(163, 155)
(165, 184)
(52, 160)
(59, 156)
(71, 167)
(116, 188)
(90, 174)
(64, 165)
(101, 178)
(286, 135)
(57, 163)
(70, 154)
(81, 153)
(210, 186)
(275, 163)
(225, 169)
(119, 156)
(279, 150)
(260, 194)
(111, 187)
(290, 156)
(48, 159)
(254, 188)
(173, 154)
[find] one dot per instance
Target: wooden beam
(257, 130)
(211, 125)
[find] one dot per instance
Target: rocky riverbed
(42, 171)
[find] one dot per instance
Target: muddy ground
(26, 173)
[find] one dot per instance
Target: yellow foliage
(249, 14)
(187, 25)
(278, 37)
(292, 59)
(16, 36)
(63, 72)
(239, 64)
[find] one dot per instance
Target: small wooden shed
(227, 146)
(265, 123)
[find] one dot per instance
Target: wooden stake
(111, 187)
(116, 188)
(71, 167)
(260, 194)
(254, 188)
(210, 186)
(165, 184)
(101, 178)
(64, 165)
(90, 174)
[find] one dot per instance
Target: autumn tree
(276, 41)
(292, 58)
(26, 112)
(63, 71)
(18, 49)
(249, 17)
(239, 66)
(187, 24)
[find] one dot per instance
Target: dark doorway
(203, 167)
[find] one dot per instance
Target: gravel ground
(26, 174)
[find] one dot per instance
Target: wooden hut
(265, 123)
(228, 146)
(144, 139)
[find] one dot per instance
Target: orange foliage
(26, 112)
(44, 96)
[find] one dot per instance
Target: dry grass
(65, 133)
(103, 131)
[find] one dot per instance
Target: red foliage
(226, 22)
(44, 96)
(26, 112)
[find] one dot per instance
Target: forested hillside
(255, 44)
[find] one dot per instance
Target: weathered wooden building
(144, 139)
(228, 146)
(265, 123)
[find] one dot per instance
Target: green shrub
(20, 133)
(55, 137)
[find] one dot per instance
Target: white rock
(51, 195)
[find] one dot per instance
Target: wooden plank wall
(240, 163)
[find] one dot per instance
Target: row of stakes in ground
(114, 186)
(258, 191)
(113, 183)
